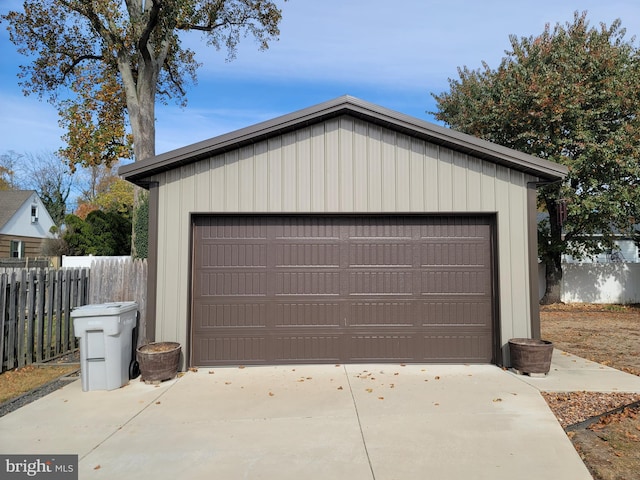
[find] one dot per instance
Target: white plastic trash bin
(105, 332)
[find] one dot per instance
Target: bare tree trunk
(141, 95)
(553, 291)
(551, 247)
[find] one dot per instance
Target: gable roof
(139, 172)
(10, 203)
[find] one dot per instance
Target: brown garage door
(320, 289)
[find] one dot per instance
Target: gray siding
(338, 166)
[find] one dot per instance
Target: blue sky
(394, 54)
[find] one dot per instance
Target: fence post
(4, 278)
(30, 314)
(11, 337)
(40, 313)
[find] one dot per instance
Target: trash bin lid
(103, 309)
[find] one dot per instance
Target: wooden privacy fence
(36, 304)
(121, 280)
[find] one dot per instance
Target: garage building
(344, 232)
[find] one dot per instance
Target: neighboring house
(625, 250)
(24, 224)
(344, 232)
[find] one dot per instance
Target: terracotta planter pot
(159, 361)
(530, 356)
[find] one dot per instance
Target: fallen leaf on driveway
(369, 390)
(211, 372)
(227, 383)
(340, 388)
(380, 398)
(193, 369)
(497, 399)
(271, 394)
(437, 378)
(157, 403)
(241, 367)
(97, 467)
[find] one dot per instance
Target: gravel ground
(572, 408)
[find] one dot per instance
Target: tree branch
(76, 61)
(152, 22)
(107, 35)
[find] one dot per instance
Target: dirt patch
(609, 335)
(14, 383)
(610, 448)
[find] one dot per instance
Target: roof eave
(140, 172)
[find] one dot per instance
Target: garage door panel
(468, 254)
(387, 226)
(377, 254)
(380, 283)
(233, 284)
(468, 282)
(307, 283)
(310, 348)
(230, 315)
(233, 255)
(381, 313)
(456, 313)
(320, 314)
(391, 347)
(311, 254)
(234, 228)
(456, 348)
(312, 227)
(232, 350)
(304, 289)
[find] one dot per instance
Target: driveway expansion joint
(355, 407)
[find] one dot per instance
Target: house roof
(139, 172)
(10, 202)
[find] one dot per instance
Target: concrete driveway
(309, 422)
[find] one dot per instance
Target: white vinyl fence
(617, 283)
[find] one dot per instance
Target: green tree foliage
(141, 227)
(102, 233)
(570, 95)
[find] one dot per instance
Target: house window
(34, 214)
(17, 249)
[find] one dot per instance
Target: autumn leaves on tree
(104, 64)
(570, 95)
